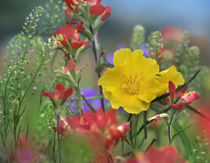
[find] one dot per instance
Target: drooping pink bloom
(59, 93)
(167, 154)
(186, 98)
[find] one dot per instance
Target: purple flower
(88, 92)
(145, 49)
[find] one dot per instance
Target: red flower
(97, 10)
(203, 124)
(72, 4)
(60, 40)
(101, 125)
(71, 66)
(107, 13)
(153, 155)
(69, 32)
(101, 128)
(59, 93)
(68, 12)
(77, 45)
(185, 98)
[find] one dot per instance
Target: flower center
(130, 85)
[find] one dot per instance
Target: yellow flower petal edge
(135, 81)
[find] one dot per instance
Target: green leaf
(184, 139)
(89, 105)
(100, 67)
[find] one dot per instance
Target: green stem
(134, 124)
(58, 137)
(96, 62)
(170, 126)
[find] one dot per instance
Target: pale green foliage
(155, 43)
(137, 36)
(53, 16)
(22, 75)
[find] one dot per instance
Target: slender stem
(58, 137)
(170, 126)
(96, 62)
(145, 124)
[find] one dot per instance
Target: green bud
(137, 36)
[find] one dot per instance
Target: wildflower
(71, 66)
(135, 81)
(60, 40)
(73, 35)
(153, 155)
(59, 93)
(100, 124)
(97, 10)
(185, 98)
(101, 128)
(107, 13)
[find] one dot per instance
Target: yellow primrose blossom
(136, 80)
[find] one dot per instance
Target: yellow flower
(136, 80)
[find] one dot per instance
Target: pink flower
(185, 98)
(153, 155)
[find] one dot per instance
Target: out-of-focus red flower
(186, 98)
(171, 34)
(100, 123)
(153, 155)
(79, 27)
(68, 12)
(59, 93)
(26, 151)
(73, 4)
(203, 124)
(102, 128)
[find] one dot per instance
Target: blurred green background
(192, 15)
